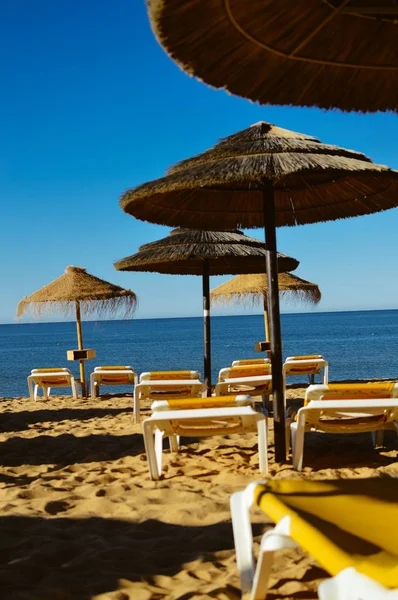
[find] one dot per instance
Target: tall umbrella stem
(80, 346)
(206, 325)
(266, 321)
(274, 324)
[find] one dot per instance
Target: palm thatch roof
(226, 186)
(76, 285)
(254, 288)
(184, 251)
(327, 53)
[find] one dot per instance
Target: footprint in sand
(56, 506)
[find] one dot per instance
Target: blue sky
(91, 105)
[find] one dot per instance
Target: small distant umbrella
(254, 288)
(266, 176)
(205, 253)
(326, 53)
(76, 291)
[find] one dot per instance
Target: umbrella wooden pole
(274, 324)
(80, 346)
(266, 320)
(206, 325)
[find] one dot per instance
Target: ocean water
(358, 345)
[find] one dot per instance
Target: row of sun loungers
(360, 553)
(179, 408)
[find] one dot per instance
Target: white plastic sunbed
(46, 379)
(165, 385)
(345, 408)
(111, 375)
(202, 417)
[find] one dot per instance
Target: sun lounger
(253, 379)
(345, 408)
(111, 375)
(341, 524)
(310, 365)
(166, 385)
(201, 417)
(46, 379)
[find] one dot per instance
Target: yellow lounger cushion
(158, 375)
(309, 357)
(251, 361)
(52, 370)
(213, 402)
(249, 371)
(360, 391)
(53, 381)
(340, 523)
(303, 368)
(114, 368)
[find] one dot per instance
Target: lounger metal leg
(378, 438)
(243, 537)
(74, 389)
(298, 432)
(159, 449)
(262, 445)
(46, 392)
(30, 386)
(137, 397)
(147, 428)
(326, 375)
(93, 387)
(35, 393)
(273, 540)
(174, 443)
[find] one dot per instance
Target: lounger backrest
(251, 361)
(193, 403)
(248, 371)
(352, 391)
(307, 357)
(52, 370)
(114, 368)
(333, 504)
(167, 375)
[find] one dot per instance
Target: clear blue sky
(91, 105)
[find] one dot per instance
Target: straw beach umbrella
(205, 253)
(76, 291)
(326, 53)
(265, 176)
(254, 288)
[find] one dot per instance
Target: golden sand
(81, 520)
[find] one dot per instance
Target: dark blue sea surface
(358, 345)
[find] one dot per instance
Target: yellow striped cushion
(249, 371)
(158, 375)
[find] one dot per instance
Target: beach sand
(80, 518)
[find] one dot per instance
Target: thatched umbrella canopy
(76, 291)
(327, 53)
(205, 253)
(254, 288)
(266, 176)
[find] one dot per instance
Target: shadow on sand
(67, 449)
(80, 558)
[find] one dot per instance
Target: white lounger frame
(308, 418)
(255, 578)
(163, 423)
(95, 383)
(143, 389)
(34, 387)
(307, 362)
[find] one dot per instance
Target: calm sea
(357, 344)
